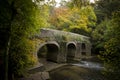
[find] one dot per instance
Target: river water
(83, 70)
(89, 64)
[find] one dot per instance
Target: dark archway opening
(52, 52)
(49, 52)
(83, 49)
(71, 50)
(83, 46)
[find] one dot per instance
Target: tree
(75, 19)
(83, 20)
(111, 55)
(98, 38)
(19, 20)
(107, 30)
(104, 10)
(83, 17)
(59, 18)
(79, 3)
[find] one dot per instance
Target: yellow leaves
(60, 17)
(32, 60)
(82, 17)
(75, 9)
(79, 18)
(64, 20)
(73, 26)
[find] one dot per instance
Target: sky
(92, 1)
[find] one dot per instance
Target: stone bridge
(61, 46)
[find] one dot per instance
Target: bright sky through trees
(92, 1)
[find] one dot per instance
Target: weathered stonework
(62, 46)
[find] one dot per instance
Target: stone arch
(71, 51)
(52, 50)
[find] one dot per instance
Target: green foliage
(61, 37)
(74, 19)
(106, 36)
(19, 20)
(104, 10)
(111, 55)
(83, 19)
(59, 18)
(98, 36)
(20, 56)
(78, 3)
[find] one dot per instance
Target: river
(83, 70)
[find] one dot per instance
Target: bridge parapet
(56, 35)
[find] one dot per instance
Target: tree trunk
(6, 59)
(9, 41)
